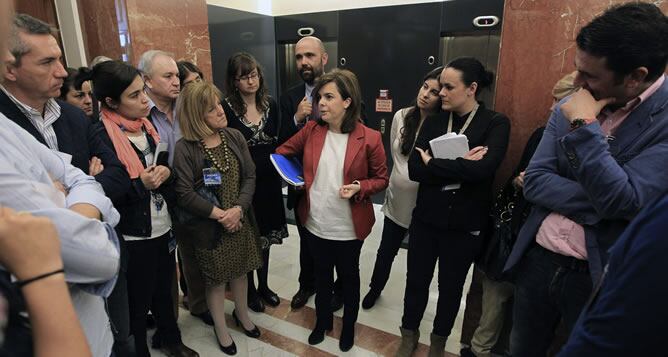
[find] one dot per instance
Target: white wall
(70, 32)
(290, 7)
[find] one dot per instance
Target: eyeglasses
(252, 75)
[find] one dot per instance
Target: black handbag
(501, 236)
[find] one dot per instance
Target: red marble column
(537, 49)
(99, 27)
(176, 26)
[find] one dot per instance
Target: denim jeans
(547, 289)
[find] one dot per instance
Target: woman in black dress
(251, 110)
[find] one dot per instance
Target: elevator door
(483, 47)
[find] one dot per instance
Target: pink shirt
(560, 234)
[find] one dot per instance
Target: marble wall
(99, 28)
(537, 49)
(176, 26)
(124, 29)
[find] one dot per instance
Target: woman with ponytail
(146, 222)
(401, 193)
(453, 200)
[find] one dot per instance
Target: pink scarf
(115, 124)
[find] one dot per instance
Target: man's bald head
(311, 58)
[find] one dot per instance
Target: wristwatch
(578, 123)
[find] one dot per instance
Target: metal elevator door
(484, 47)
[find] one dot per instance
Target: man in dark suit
(602, 158)
(28, 94)
(27, 97)
(627, 312)
(297, 109)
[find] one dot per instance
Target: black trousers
(306, 263)
(345, 257)
(150, 273)
(455, 252)
(390, 242)
(117, 306)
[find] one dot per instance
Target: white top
(89, 247)
(161, 222)
(401, 192)
(329, 215)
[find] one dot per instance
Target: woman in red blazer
(344, 165)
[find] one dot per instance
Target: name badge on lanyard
(212, 176)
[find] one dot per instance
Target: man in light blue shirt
(29, 175)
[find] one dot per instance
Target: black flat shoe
(270, 298)
(301, 298)
(254, 333)
(230, 350)
(317, 336)
(370, 299)
(256, 304)
(347, 339)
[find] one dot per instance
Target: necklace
(468, 120)
(226, 154)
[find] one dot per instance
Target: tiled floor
(285, 332)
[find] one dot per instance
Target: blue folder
(290, 169)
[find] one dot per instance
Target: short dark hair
(472, 71)
(348, 87)
(186, 67)
(244, 63)
(628, 36)
(68, 83)
(111, 79)
(30, 25)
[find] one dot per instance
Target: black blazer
(135, 204)
(465, 209)
(289, 102)
(76, 137)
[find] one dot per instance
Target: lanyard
(468, 120)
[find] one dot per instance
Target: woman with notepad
(344, 165)
(453, 199)
(401, 192)
(146, 223)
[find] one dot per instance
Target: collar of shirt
(309, 91)
(611, 120)
(51, 108)
(156, 113)
(43, 123)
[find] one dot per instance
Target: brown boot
(409, 342)
(437, 345)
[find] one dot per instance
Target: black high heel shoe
(254, 333)
(230, 350)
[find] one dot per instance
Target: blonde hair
(565, 86)
(195, 101)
